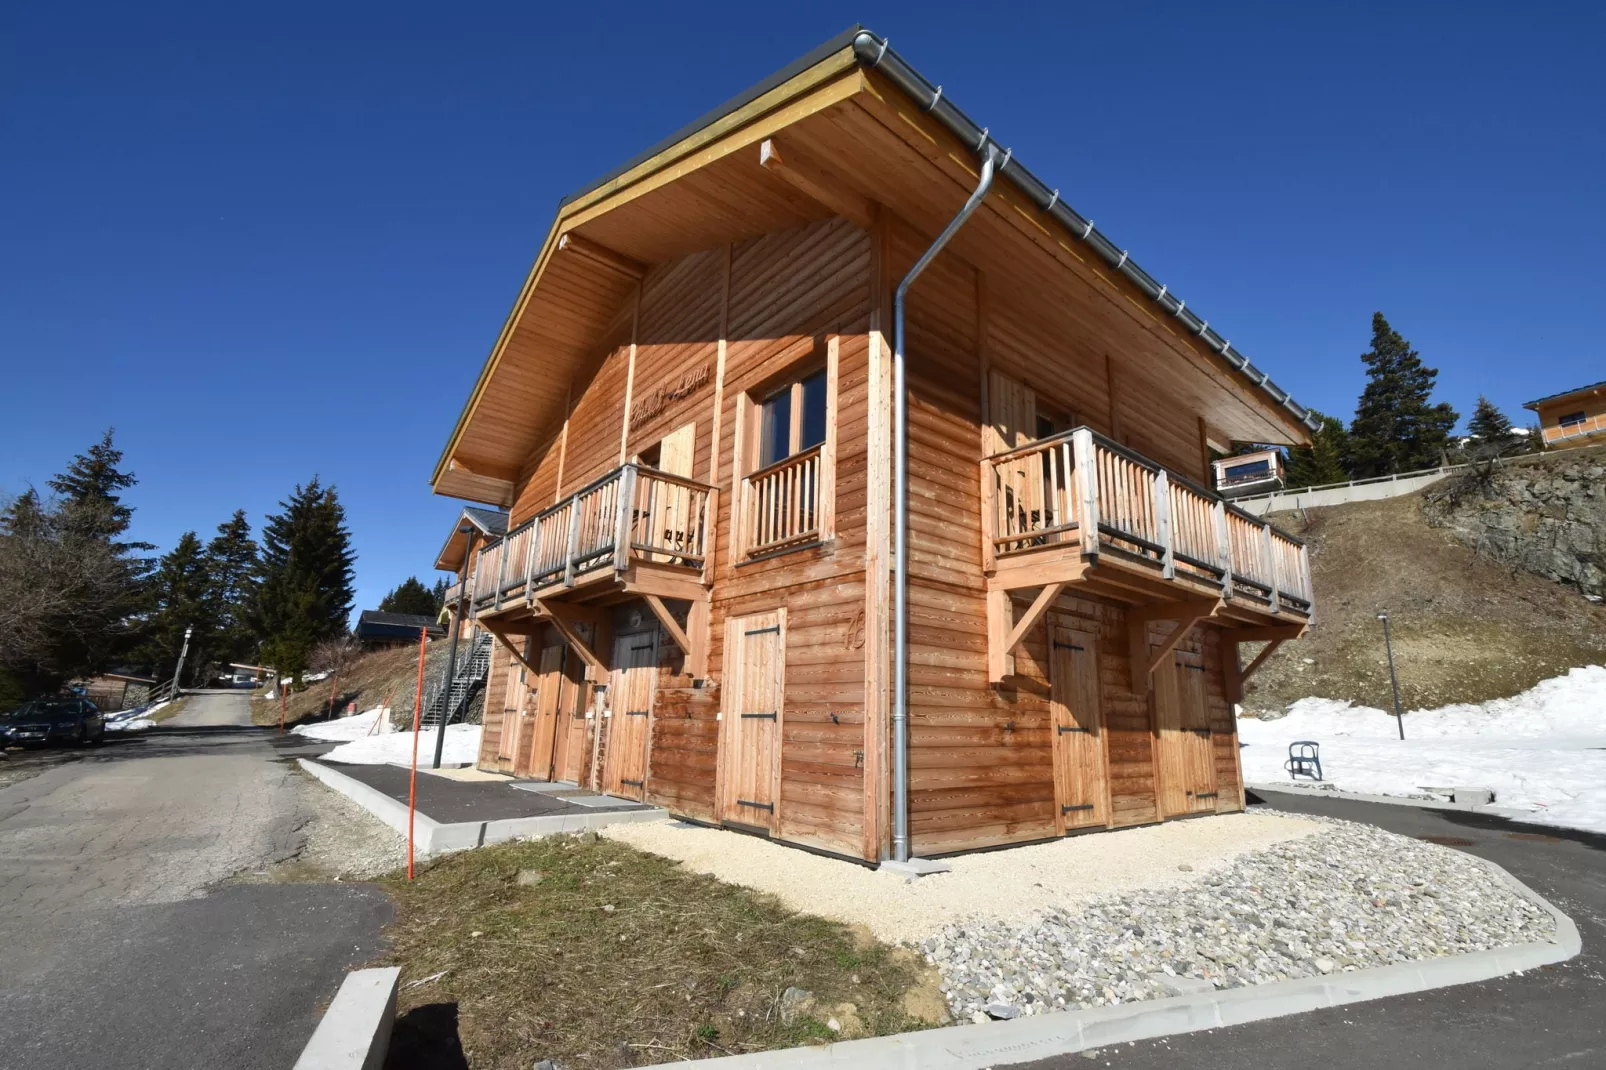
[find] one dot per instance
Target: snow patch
(344, 729)
(462, 746)
(1543, 751)
(130, 724)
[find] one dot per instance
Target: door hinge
(1195, 668)
(756, 805)
(1071, 809)
(636, 713)
(1064, 728)
(1206, 795)
(761, 716)
(1067, 646)
(632, 783)
(772, 629)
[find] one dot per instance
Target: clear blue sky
(268, 241)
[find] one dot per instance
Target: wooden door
(1185, 762)
(514, 696)
(670, 510)
(752, 716)
(630, 692)
(572, 752)
(549, 729)
(1081, 764)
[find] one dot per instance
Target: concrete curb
(1315, 792)
(354, 1033)
(431, 837)
(978, 1047)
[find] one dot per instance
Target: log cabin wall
(981, 759)
(731, 321)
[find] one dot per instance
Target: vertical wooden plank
(563, 443)
(1170, 758)
(989, 506)
(1113, 390)
(825, 486)
(877, 551)
(630, 376)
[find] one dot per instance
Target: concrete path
(1548, 1018)
(113, 951)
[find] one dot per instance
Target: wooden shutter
(676, 449)
(1012, 417)
(752, 717)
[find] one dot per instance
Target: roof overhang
(1590, 391)
(607, 237)
(450, 559)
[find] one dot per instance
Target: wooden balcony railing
(1593, 425)
(1080, 488)
(780, 504)
(632, 512)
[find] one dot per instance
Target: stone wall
(1546, 515)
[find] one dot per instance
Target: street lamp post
(451, 651)
(1394, 680)
(178, 673)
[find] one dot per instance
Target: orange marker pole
(334, 685)
(412, 776)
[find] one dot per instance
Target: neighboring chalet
(1572, 418)
(1260, 472)
(694, 417)
(381, 631)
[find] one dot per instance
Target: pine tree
(410, 596)
(1489, 424)
(184, 594)
(438, 592)
(232, 562)
(1323, 461)
(303, 592)
(1396, 427)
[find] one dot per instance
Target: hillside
(383, 677)
(1466, 629)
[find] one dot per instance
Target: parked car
(64, 719)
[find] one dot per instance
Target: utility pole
(178, 673)
(1399, 718)
(467, 531)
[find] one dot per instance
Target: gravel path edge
(977, 1047)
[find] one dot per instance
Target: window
(785, 450)
(1572, 418)
(792, 419)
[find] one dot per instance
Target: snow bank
(462, 746)
(344, 729)
(130, 724)
(1543, 751)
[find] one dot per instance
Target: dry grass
(1465, 629)
(172, 709)
(369, 681)
(613, 957)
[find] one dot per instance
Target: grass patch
(593, 954)
(172, 709)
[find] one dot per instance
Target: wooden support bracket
(513, 648)
(670, 624)
(1236, 677)
(564, 619)
(1004, 635)
(1144, 661)
(815, 183)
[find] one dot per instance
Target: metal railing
(1593, 425)
(780, 504)
(633, 511)
(1081, 488)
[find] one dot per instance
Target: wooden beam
(564, 619)
(1260, 659)
(670, 624)
(1278, 632)
(1000, 616)
(1143, 661)
(513, 648)
(1034, 613)
(815, 182)
(601, 255)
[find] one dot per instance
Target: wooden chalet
(693, 418)
(1573, 417)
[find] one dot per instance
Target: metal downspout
(900, 508)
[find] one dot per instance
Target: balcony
(1575, 430)
(1079, 510)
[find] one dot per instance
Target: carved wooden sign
(655, 402)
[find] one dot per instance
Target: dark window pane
(775, 436)
(1572, 418)
(1045, 426)
(813, 410)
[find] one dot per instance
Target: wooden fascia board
(1026, 217)
(827, 82)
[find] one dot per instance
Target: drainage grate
(1448, 841)
(1537, 837)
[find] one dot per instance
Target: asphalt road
(1551, 1017)
(118, 944)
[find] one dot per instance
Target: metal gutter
(875, 52)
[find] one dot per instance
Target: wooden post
(1218, 512)
(1162, 524)
(625, 504)
(1270, 563)
(573, 544)
(1087, 489)
(501, 569)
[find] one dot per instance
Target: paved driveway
(113, 950)
(1551, 1017)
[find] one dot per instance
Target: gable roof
(465, 474)
(1590, 389)
(491, 523)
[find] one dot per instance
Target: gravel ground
(1002, 886)
(1350, 897)
(337, 840)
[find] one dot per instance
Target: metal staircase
(451, 702)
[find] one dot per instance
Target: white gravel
(1348, 898)
(998, 886)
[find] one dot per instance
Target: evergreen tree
(1323, 461)
(184, 595)
(232, 562)
(410, 596)
(1396, 427)
(1489, 424)
(438, 591)
(303, 591)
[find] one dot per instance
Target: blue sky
(273, 241)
